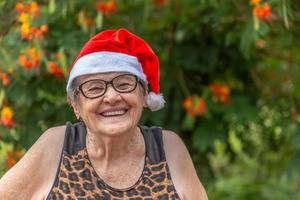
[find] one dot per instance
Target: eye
(124, 82)
(95, 89)
(124, 85)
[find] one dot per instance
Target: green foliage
(256, 161)
(244, 140)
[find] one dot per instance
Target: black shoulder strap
(154, 143)
(74, 137)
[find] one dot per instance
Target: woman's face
(114, 112)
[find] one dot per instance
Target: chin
(115, 129)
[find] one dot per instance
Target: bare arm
(182, 170)
(33, 174)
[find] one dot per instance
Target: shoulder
(53, 136)
(182, 170)
(38, 166)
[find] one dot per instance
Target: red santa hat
(120, 51)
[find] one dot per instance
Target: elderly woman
(107, 154)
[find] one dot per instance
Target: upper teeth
(117, 112)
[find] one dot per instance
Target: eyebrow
(90, 76)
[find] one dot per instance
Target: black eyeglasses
(95, 88)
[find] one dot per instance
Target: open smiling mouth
(114, 113)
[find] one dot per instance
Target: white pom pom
(155, 101)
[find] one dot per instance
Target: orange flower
(221, 93)
(194, 105)
(44, 28)
(13, 157)
(24, 18)
(34, 54)
(54, 69)
(25, 26)
(188, 103)
(84, 19)
(200, 108)
(7, 117)
(31, 59)
(34, 8)
(10, 162)
(4, 78)
(28, 33)
(57, 56)
(20, 7)
(262, 12)
(255, 2)
(23, 61)
(36, 32)
(27, 14)
(25, 31)
(159, 2)
(107, 7)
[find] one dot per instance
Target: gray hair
(72, 91)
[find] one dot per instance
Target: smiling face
(113, 113)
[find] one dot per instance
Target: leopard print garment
(77, 179)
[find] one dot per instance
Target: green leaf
(52, 6)
(99, 20)
(188, 122)
(63, 61)
(2, 95)
(235, 143)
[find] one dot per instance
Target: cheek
(88, 106)
(139, 106)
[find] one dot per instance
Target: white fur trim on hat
(155, 101)
(105, 61)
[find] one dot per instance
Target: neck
(110, 150)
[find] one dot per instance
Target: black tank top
(77, 179)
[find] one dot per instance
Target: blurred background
(230, 73)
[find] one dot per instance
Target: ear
(145, 92)
(145, 104)
(75, 108)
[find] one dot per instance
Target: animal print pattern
(77, 179)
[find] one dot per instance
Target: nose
(111, 95)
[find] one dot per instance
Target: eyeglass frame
(137, 80)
